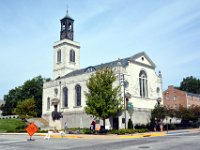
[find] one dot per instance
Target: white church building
(64, 95)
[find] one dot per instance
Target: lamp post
(62, 121)
(167, 123)
(160, 118)
(121, 81)
(60, 93)
(124, 100)
(158, 101)
(61, 114)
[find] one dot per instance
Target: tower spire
(67, 7)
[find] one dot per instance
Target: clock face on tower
(69, 35)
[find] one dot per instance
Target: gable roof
(138, 55)
(112, 64)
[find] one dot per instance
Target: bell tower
(66, 51)
(67, 28)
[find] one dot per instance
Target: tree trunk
(104, 123)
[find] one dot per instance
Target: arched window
(48, 103)
(69, 26)
(72, 56)
(90, 69)
(59, 56)
(143, 84)
(78, 95)
(65, 97)
(63, 26)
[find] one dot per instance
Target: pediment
(143, 59)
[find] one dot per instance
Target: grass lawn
(12, 125)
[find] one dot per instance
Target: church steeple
(66, 50)
(67, 27)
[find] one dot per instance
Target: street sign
(130, 105)
(31, 129)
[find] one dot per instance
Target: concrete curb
(143, 135)
(86, 136)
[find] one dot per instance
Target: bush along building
(64, 99)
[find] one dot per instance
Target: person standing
(92, 127)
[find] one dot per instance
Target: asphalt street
(184, 141)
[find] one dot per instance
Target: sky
(168, 31)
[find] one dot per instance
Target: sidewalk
(111, 136)
(182, 131)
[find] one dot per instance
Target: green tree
(33, 88)
(184, 113)
(11, 100)
(170, 112)
(190, 84)
(195, 110)
(102, 99)
(159, 112)
(192, 113)
(26, 108)
(30, 88)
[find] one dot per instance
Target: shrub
(86, 131)
(20, 130)
(130, 124)
(128, 131)
(42, 131)
(21, 126)
(141, 130)
(73, 129)
(142, 126)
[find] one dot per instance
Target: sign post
(31, 129)
(130, 105)
(130, 108)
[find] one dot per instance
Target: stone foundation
(82, 120)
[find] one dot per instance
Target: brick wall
(173, 98)
(193, 100)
